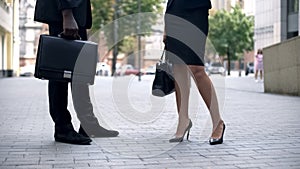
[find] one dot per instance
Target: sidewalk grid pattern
(262, 130)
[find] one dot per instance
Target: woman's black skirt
(186, 32)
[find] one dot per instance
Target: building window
(293, 6)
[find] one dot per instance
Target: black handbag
(66, 60)
(163, 83)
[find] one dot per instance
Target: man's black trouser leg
(58, 103)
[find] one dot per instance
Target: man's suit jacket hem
(49, 11)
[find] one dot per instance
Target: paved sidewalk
(262, 130)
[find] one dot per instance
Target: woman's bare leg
(182, 91)
(255, 75)
(207, 91)
(261, 74)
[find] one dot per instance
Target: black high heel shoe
(180, 139)
(214, 141)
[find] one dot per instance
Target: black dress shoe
(72, 137)
(96, 131)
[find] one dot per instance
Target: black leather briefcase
(66, 60)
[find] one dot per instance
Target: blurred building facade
(277, 31)
(276, 21)
(6, 38)
(154, 44)
(221, 4)
(29, 33)
(246, 5)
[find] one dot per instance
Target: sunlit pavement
(262, 130)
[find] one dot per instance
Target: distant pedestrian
(71, 18)
(186, 29)
(259, 65)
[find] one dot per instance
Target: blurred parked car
(27, 70)
(103, 69)
(127, 70)
(216, 68)
(150, 70)
(249, 68)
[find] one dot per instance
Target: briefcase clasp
(67, 74)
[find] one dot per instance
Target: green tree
(104, 12)
(231, 33)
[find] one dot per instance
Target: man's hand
(69, 25)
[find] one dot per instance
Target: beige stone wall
(282, 68)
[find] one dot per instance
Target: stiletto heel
(214, 141)
(188, 135)
(180, 139)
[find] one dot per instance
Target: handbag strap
(162, 55)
